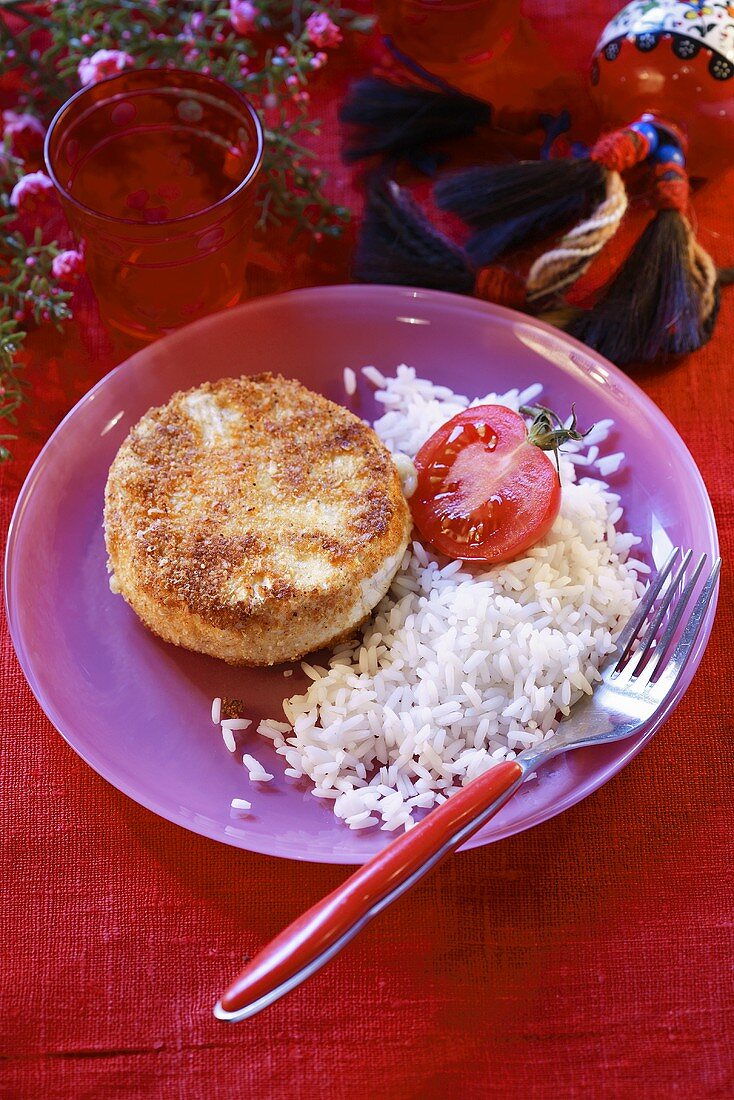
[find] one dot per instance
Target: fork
(637, 680)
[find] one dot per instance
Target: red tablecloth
(590, 957)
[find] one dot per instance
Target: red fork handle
(316, 936)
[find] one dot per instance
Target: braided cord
(564, 264)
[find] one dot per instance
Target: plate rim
(257, 844)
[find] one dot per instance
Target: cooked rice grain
(255, 769)
(350, 381)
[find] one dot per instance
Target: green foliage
(27, 292)
(11, 388)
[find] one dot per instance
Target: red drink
(156, 171)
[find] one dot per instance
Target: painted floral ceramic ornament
(675, 59)
(663, 79)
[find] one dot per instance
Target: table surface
(591, 956)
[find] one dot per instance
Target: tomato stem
(548, 431)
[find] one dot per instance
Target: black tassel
(398, 246)
(514, 204)
(652, 308)
(395, 121)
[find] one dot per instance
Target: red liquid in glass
(156, 172)
(153, 175)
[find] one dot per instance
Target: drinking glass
(157, 172)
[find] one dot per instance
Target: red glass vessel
(157, 173)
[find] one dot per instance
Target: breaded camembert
(253, 520)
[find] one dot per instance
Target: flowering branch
(31, 270)
(271, 50)
(11, 389)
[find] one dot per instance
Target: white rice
(241, 804)
(255, 769)
(228, 738)
(236, 723)
(350, 381)
(462, 666)
(373, 375)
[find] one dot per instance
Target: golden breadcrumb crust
(253, 520)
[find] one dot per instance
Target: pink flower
(103, 63)
(68, 267)
(25, 134)
(242, 16)
(32, 193)
(321, 31)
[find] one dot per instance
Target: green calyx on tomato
(548, 431)
(487, 490)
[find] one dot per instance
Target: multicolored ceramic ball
(673, 59)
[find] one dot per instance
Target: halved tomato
(486, 490)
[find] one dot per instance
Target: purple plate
(137, 709)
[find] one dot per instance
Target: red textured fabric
(588, 958)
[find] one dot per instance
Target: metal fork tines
(648, 665)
